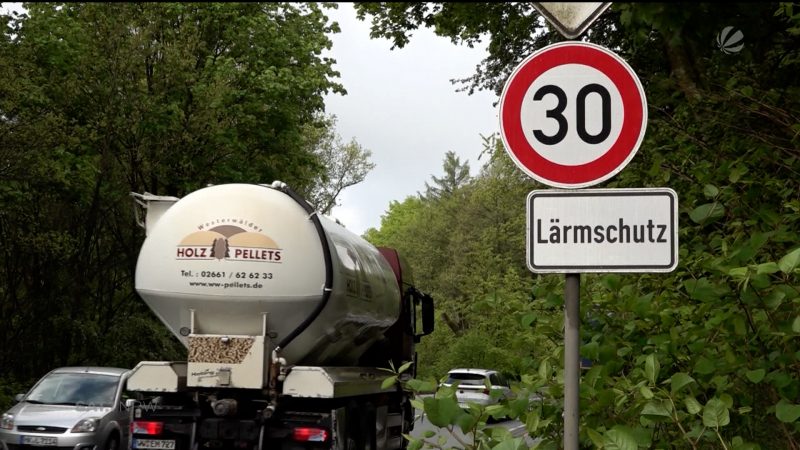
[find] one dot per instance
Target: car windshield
(466, 379)
(75, 389)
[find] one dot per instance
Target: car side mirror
(18, 398)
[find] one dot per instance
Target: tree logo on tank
(230, 242)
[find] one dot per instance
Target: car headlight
(7, 421)
(86, 426)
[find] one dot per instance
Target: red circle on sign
(619, 153)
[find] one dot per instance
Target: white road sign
(602, 230)
(572, 115)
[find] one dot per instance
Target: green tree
(706, 356)
(462, 251)
(101, 99)
(456, 174)
(342, 165)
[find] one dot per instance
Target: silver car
(71, 408)
(481, 386)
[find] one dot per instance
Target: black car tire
(112, 443)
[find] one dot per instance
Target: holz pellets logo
(229, 240)
(730, 40)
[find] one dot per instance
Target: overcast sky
(401, 105)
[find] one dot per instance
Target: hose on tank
(326, 251)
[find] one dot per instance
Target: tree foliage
(102, 99)
(703, 357)
(343, 165)
(456, 174)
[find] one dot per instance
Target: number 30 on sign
(572, 115)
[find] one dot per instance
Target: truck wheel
(367, 420)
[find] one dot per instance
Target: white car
(472, 386)
(70, 408)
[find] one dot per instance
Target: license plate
(42, 441)
(154, 444)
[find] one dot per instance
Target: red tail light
(486, 391)
(149, 428)
(308, 434)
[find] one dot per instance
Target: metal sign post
(573, 115)
(597, 231)
(572, 368)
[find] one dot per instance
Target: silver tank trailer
(217, 260)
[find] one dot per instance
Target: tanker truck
(290, 322)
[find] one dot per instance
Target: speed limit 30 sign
(573, 115)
